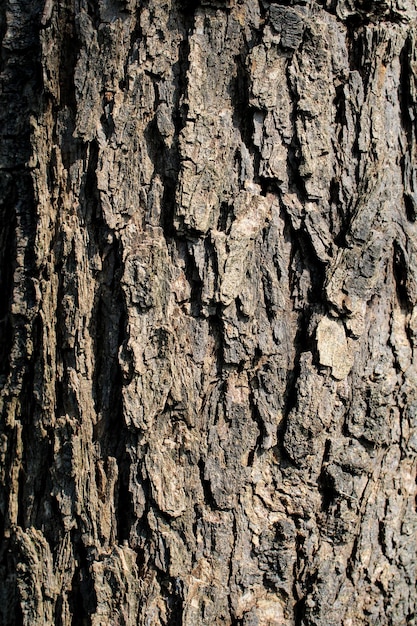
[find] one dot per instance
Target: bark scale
(208, 309)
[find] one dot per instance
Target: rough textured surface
(208, 312)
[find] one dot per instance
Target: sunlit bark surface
(208, 318)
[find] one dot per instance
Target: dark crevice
(165, 160)
(217, 332)
(303, 256)
(405, 98)
(59, 394)
(226, 218)
(107, 122)
(340, 108)
(262, 434)
(181, 68)
(212, 260)
(94, 13)
(243, 115)
(190, 6)
(193, 278)
(317, 269)
(168, 207)
(69, 51)
(81, 597)
(340, 225)
(109, 331)
(267, 286)
(355, 29)
(42, 491)
(164, 151)
(59, 608)
(410, 202)
(10, 603)
(108, 301)
(303, 586)
(31, 462)
(290, 400)
(3, 29)
(338, 221)
(172, 589)
(239, 91)
(7, 253)
(136, 37)
(241, 316)
(365, 13)
(291, 397)
(401, 279)
(124, 502)
(230, 572)
(296, 182)
(209, 498)
(300, 612)
(381, 538)
(18, 615)
(355, 40)
(350, 567)
(22, 498)
(325, 482)
(66, 401)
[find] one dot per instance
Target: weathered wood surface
(208, 312)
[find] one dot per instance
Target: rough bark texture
(208, 324)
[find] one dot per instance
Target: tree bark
(208, 309)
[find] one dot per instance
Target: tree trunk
(208, 286)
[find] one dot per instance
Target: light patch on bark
(333, 347)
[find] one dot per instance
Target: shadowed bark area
(208, 318)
